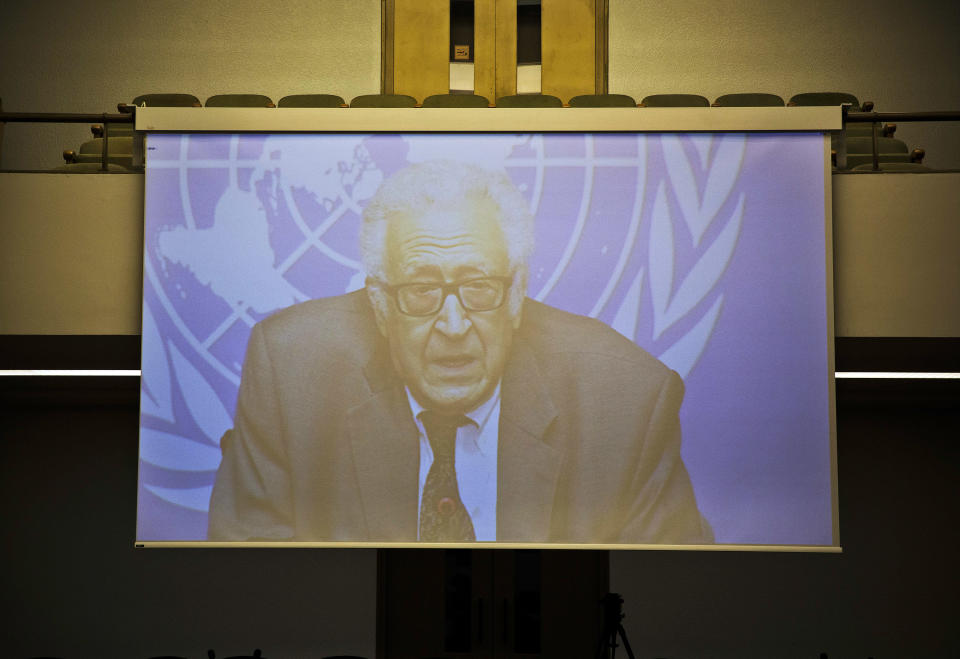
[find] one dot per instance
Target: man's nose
(453, 319)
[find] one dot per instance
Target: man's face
(453, 359)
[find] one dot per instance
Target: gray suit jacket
(324, 446)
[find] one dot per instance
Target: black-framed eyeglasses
(426, 298)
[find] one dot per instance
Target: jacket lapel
(528, 468)
(386, 454)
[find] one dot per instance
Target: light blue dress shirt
(475, 461)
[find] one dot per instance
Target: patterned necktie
(443, 517)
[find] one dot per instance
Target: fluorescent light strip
(840, 375)
(73, 373)
(894, 375)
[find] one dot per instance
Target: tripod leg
(608, 645)
(626, 643)
(602, 647)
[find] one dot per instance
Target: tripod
(612, 615)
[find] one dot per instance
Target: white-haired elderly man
(441, 405)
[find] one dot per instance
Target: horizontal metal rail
(868, 117)
(64, 118)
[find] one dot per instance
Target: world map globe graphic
(240, 226)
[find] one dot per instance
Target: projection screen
(667, 382)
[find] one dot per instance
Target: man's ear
(378, 300)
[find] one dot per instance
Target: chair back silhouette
(893, 167)
(383, 101)
(167, 101)
(89, 168)
(674, 101)
(256, 655)
(116, 130)
(602, 101)
(311, 101)
(120, 151)
(884, 145)
(824, 98)
(866, 130)
(889, 150)
(456, 101)
(749, 100)
(239, 101)
(529, 101)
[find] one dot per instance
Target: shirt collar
(478, 415)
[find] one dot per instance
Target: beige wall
(67, 56)
(71, 253)
(902, 56)
(895, 246)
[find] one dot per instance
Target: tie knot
(441, 430)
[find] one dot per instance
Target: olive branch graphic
(169, 450)
(676, 295)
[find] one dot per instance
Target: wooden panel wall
(506, 47)
(568, 47)
(485, 48)
(421, 46)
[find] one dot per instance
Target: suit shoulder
(553, 333)
(344, 322)
(351, 308)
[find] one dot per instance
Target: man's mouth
(456, 367)
(454, 361)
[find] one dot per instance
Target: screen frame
(525, 120)
(480, 120)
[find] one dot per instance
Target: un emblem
(635, 230)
